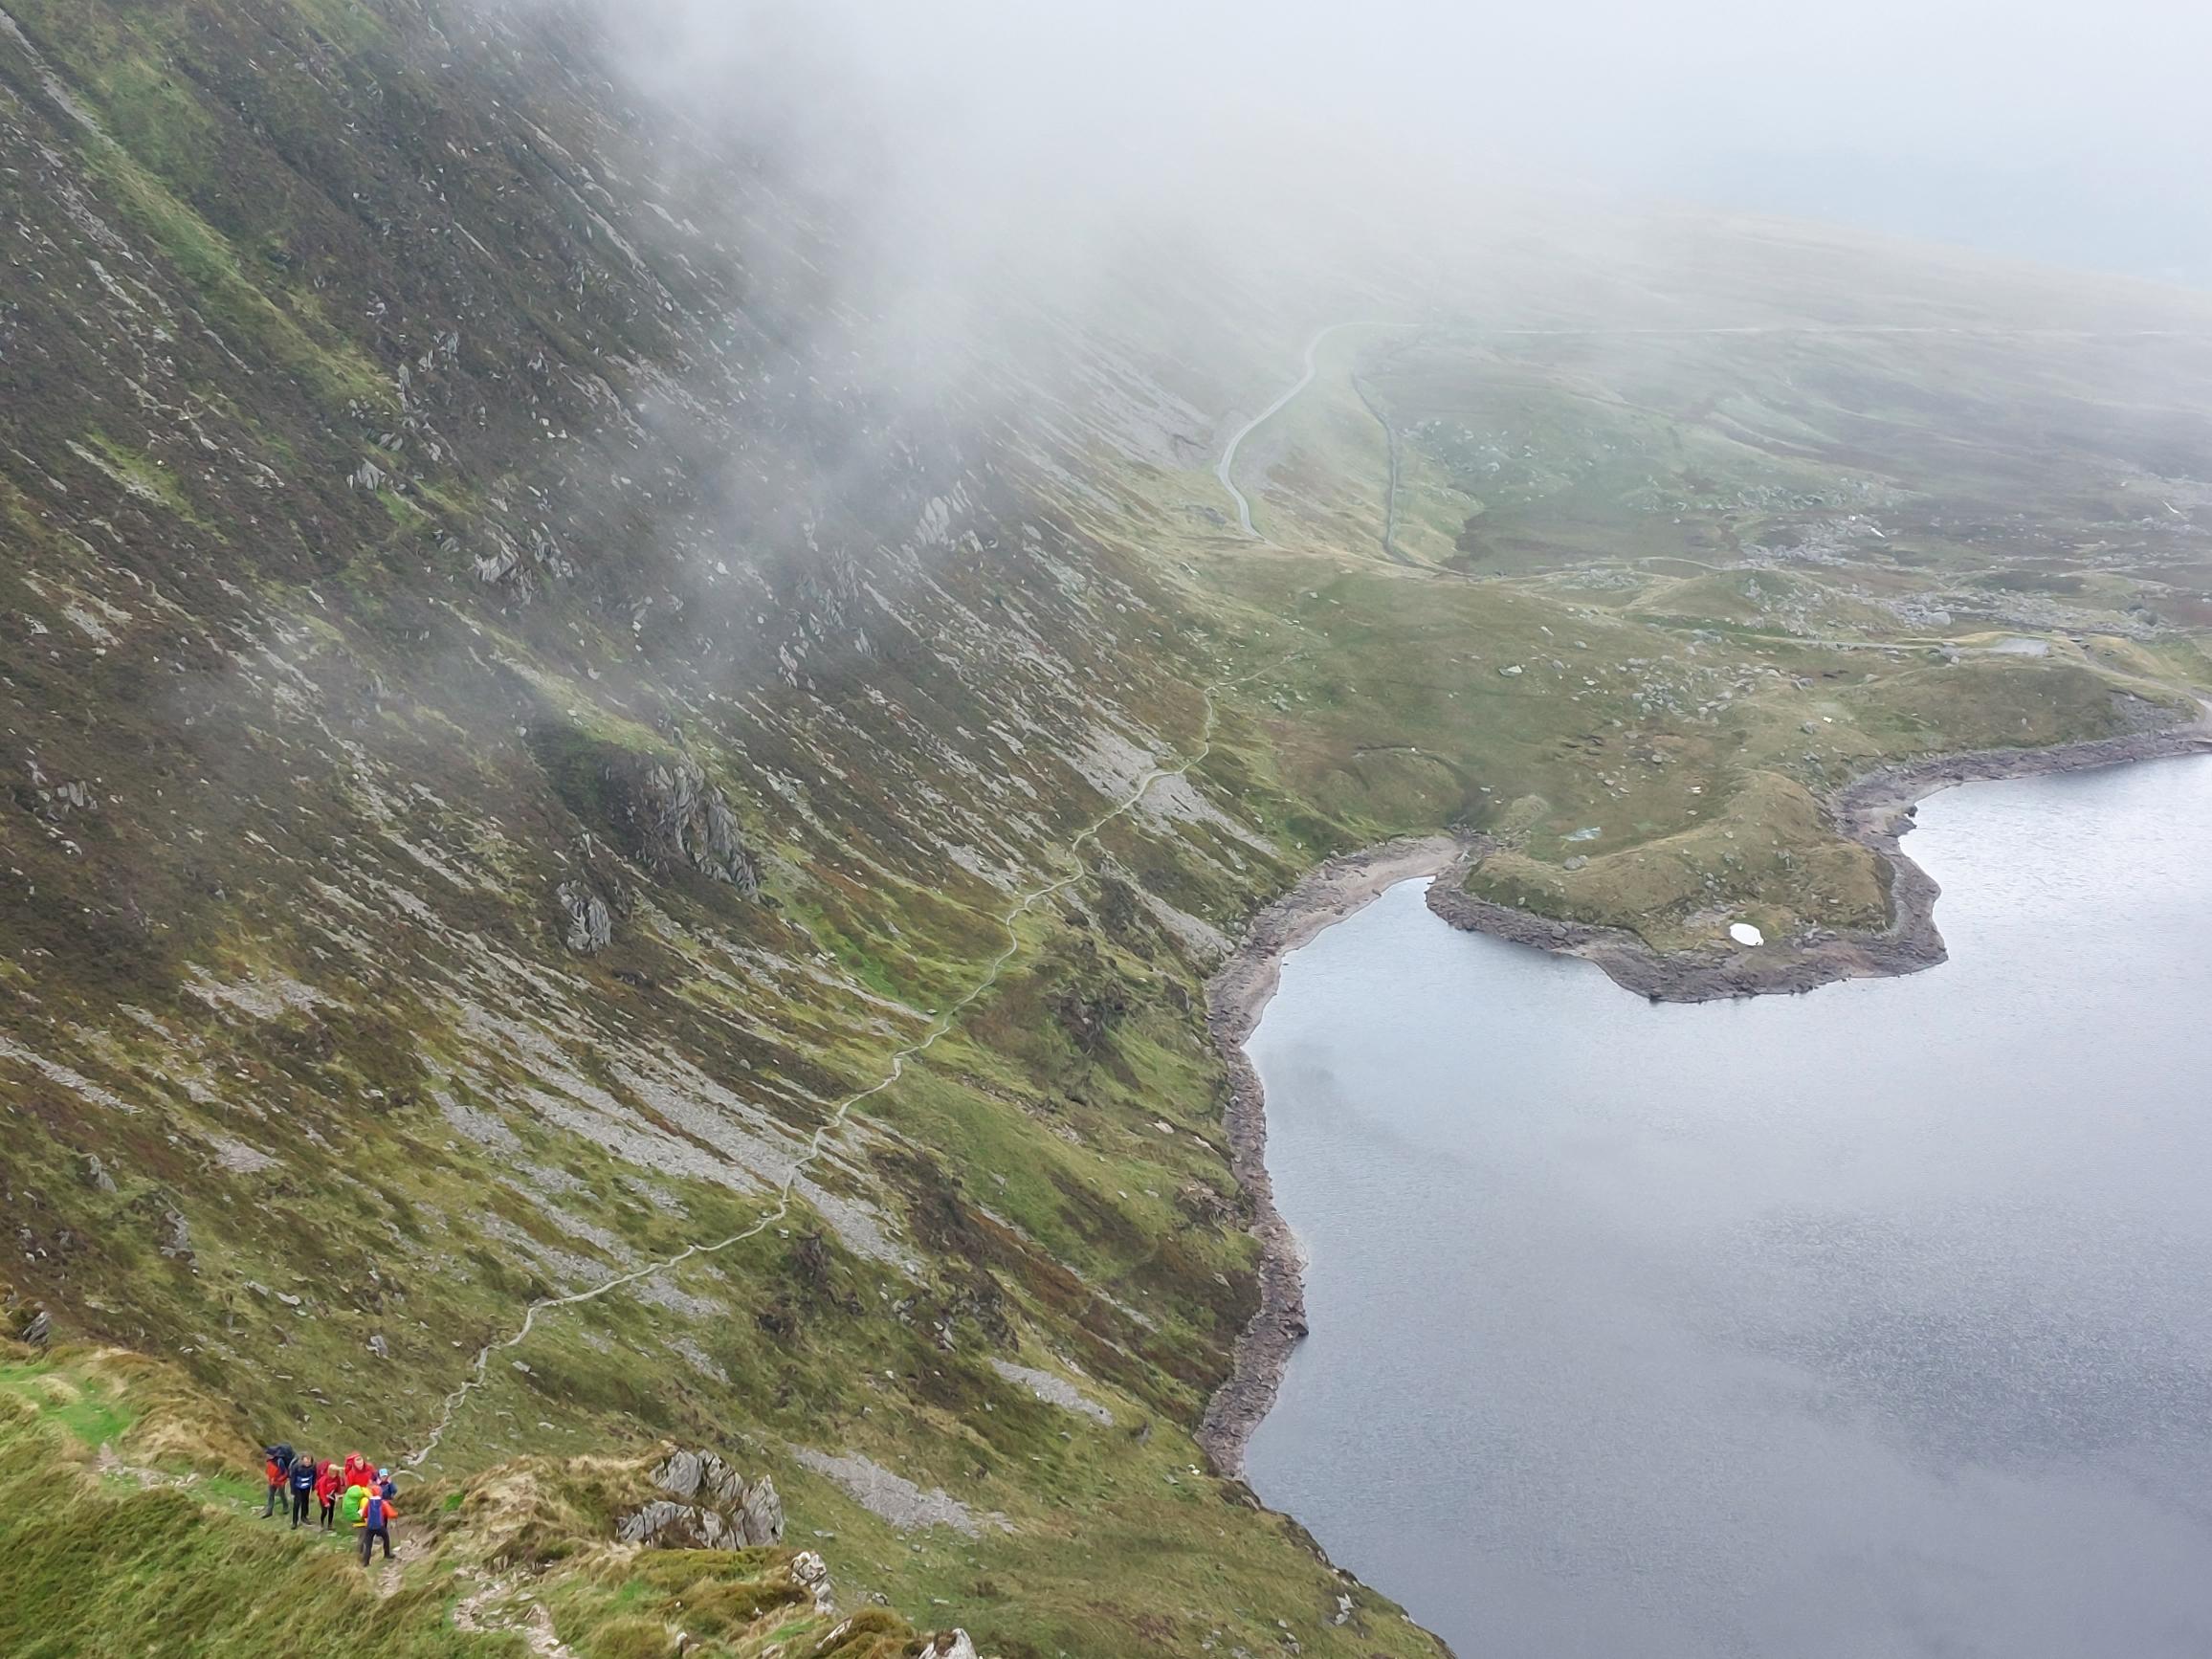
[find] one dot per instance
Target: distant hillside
(593, 855)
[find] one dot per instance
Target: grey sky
(2072, 131)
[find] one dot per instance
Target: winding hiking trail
(1222, 469)
(940, 1025)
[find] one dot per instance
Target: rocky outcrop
(676, 818)
(812, 1574)
(760, 1513)
(709, 1506)
(590, 924)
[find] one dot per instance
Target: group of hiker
(355, 1493)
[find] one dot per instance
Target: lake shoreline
(1236, 996)
(1874, 809)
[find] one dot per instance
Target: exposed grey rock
(95, 1173)
(649, 1523)
(676, 1526)
(897, 1499)
(38, 1329)
(697, 1357)
(378, 1346)
(176, 1235)
(721, 1484)
(680, 1473)
(761, 1514)
(954, 1644)
(234, 1155)
(679, 819)
(1053, 1390)
(720, 1512)
(590, 924)
(812, 1574)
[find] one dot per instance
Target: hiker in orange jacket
(277, 1468)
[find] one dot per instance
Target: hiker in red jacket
(326, 1489)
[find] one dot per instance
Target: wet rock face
(709, 1506)
(677, 819)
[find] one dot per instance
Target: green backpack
(349, 1507)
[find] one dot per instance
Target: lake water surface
(1876, 1321)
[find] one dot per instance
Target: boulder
(590, 924)
(812, 1574)
(761, 1513)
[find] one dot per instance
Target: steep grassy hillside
(587, 862)
(138, 1510)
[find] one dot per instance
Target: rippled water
(1875, 1321)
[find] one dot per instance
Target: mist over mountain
(2050, 130)
(659, 663)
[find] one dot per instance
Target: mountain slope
(546, 739)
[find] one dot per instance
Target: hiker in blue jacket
(301, 1478)
(375, 1523)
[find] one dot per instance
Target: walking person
(350, 1504)
(376, 1518)
(326, 1493)
(278, 1469)
(301, 1478)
